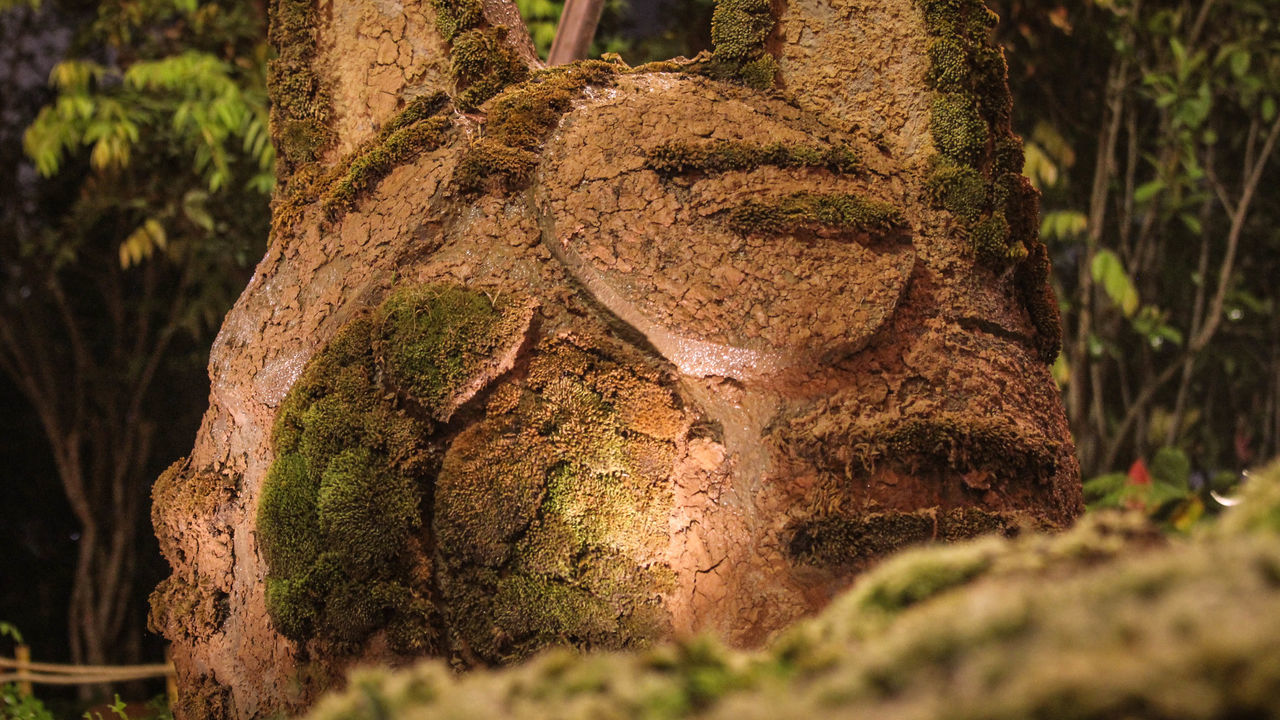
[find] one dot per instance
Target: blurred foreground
(1112, 619)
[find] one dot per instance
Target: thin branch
(575, 31)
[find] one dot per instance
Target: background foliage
(1151, 128)
(140, 208)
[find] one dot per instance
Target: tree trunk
(598, 355)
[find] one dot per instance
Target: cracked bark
(793, 353)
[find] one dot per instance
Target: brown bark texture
(597, 355)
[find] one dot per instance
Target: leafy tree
(158, 162)
(1153, 132)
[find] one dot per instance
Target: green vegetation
(739, 29)
(549, 511)
(302, 111)
(810, 211)
(14, 705)
(340, 518)
(1091, 623)
(518, 122)
(133, 221)
(854, 541)
(716, 156)
(1152, 134)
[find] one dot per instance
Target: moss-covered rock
(191, 608)
(454, 16)
(1107, 620)
(420, 127)
(835, 541)
(437, 342)
(301, 108)
(552, 511)
(977, 174)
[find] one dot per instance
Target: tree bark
(598, 355)
(575, 31)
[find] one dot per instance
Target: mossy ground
(551, 510)
(1107, 620)
(340, 521)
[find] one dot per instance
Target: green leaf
(1108, 271)
(1100, 487)
(1147, 191)
(193, 206)
(1268, 109)
(1063, 224)
(1239, 63)
(1192, 222)
(11, 631)
(1170, 465)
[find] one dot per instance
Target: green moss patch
(301, 108)
(420, 127)
(518, 122)
(739, 29)
(813, 211)
(976, 176)
(678, 158)
(854, 541)
(436, 341)
(550, 511)
(455, 16)
(482, 64)
(340, 519)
